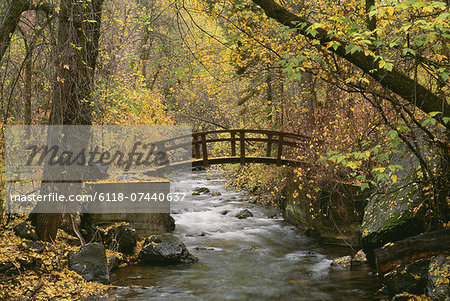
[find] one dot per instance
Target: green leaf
(383, 157)
(340, 159)
(381, 176)
(388, 66)
(405, 51)
(364, 186)
(428, 120)
(352, 164)
(332, 152)
(393, 134)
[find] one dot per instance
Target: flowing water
(258, 258)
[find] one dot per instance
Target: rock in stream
(165, 249)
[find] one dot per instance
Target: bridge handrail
(266, 132)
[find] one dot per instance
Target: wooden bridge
(274, 144)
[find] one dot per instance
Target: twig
(8, 278)
(33, 291)
(76, 231)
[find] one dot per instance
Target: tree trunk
(27, 87)
(76, 55)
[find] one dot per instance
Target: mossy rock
(393, 216)
(397, 210)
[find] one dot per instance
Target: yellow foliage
(50, 276)
(124, 106)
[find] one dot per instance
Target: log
(402, 252)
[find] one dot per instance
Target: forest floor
(39, 271)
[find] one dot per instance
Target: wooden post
(242, 145)
(196, 147)
(233, 143)
(280, 149)
(161, 155)
(269, 145)
(204, 151)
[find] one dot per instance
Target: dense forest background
(367, 79)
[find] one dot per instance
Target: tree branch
(11, 17)
(394, 80)
(9, 21)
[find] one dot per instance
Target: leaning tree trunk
(75, 58)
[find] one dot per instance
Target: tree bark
(28, 79)
(77, 50)
(394, 80)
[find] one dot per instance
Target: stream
(258, 258)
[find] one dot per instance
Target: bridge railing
(276, 144)
(239, 139)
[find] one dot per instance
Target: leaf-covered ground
(26, 274)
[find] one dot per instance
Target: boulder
(37, 247)
(344, 262)
(122, 238)
(271, 213)
(25, 231)
(202, 190)
(113, 262)
(198, 248)
(411, 279)
(198, 168)
(344, 213)
(398, 208)
(244, 214)
(438, 286)
(216, 193)
(392, 215)
(253, 199)
(90, 262)
(165, 249)
(195, 234)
